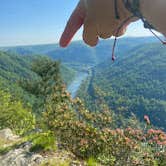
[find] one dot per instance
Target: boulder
(7, 134)
(21, 157)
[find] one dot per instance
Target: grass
(56, 162)
(6, 146)
(92, 162)
(42, 142)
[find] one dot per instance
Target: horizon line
(79, 40)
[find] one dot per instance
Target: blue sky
(24, 22)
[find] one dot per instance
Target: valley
(76, 83)
(78, 96)
(137, 75)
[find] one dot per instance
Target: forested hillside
(27, 50)
(80, 54)
(51, 124)
(135, 84)
(114, 122)
(14, 68)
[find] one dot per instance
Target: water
(75, 85)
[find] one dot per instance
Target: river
(76, 83)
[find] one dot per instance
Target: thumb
(75, 22)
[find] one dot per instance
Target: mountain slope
(14, 67)
(27, 50)
(79, 53)
(135, 83)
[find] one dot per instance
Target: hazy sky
(25, 22)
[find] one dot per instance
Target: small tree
(48, 73)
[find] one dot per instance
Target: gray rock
(36, 159)
(21, 157)
(7, 134)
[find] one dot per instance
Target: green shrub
(43, 142)
(92, 162)
(14, 115)
(87, 138)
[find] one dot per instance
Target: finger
(75, 22)
(105, 31)
(90, 36)
(105, 35)
(121, 32)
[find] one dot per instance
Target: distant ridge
(80, 53)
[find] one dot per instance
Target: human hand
(154, 12)
(98, 20)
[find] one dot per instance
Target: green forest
(119, 114)
(133, 84)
